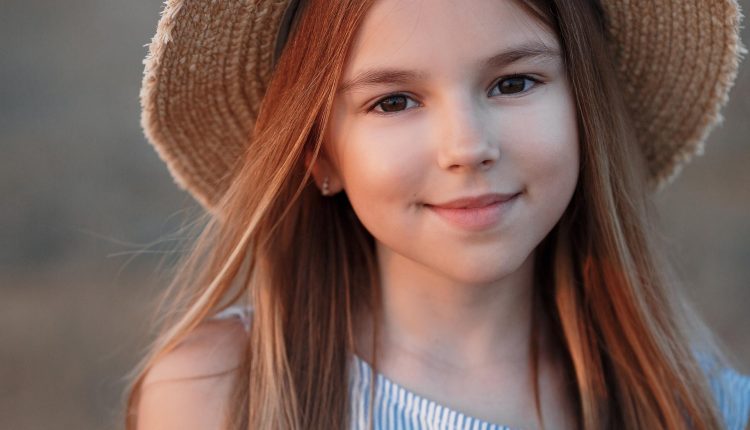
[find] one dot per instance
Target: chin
(479, 275)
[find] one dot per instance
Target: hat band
(288, 22)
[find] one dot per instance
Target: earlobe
(325, 188)
(324, 174)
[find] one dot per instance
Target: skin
(457, 302)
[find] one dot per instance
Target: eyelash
(534, 81)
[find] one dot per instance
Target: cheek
(548, 159)
(543, 144)
(382, 167)
(382, 173)
(382, 186)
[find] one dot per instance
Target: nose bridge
(464, 134)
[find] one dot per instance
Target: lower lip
(475, 219)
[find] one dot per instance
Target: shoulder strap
(244, 313)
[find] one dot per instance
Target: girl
(433, 214)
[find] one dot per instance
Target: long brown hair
(307, 266)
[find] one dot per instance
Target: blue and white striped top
(396, 408)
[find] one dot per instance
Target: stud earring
(326, 190)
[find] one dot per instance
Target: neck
(449, 325)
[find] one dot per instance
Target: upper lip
(475, 202)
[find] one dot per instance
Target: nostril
(456, 158)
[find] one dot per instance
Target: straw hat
(210, 61)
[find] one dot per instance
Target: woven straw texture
(210, 61)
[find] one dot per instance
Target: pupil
(394, 103)
(512, 85)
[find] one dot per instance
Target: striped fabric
(396, 408)
(732, 393)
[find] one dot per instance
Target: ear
(322, 169)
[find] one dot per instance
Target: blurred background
(86, 204)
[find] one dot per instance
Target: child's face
(435, 121)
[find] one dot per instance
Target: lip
(475, 202)
(475, 213)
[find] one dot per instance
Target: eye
(513, 85)
(393, 103)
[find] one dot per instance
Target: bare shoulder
(189, 387)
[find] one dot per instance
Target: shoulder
(732, 393)
(189, 387)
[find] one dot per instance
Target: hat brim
(205, 75)
(211, 60)
(677, 61)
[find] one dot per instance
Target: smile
(475, 213)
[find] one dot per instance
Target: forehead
(441, 34)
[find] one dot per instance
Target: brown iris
(512, 85)
(393, 103)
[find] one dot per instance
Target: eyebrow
(531, 50)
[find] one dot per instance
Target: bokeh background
(87, 211)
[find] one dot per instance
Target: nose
(465, 137)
